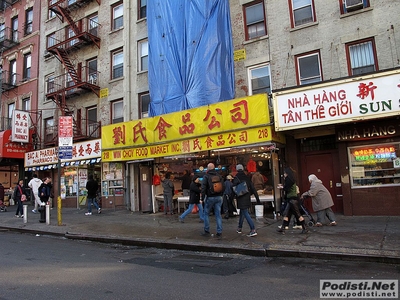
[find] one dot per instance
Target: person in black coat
(186, 181)
(244, 201)
(18, 192)
(194, 199)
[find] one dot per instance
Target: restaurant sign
(366, 97)
(222, 140)
(218, 118)
(80, 151)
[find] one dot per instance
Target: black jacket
(195, 191)
(205, 184)
(186, 181)
(244, 201)
(92, 187)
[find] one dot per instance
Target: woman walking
(194, 199)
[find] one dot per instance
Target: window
(27, 66)
(13, 72)
(302, 12)
(117, 110)
(117, 64)
(142, 8)
(71, 34)
(94, 25)
(48, 129)
(259, 80)
(362, 57)
(50, 87)
(2, 31)
(29, 21)
(11, 108)
(14, 29)
(26, 104)
(254, 20)
(51, 14)
(118, 16)
(51, 40)
(144, 55)
(92, 71)
(144, 102)
(92, 123)
(374, 165)
(308, 68)
(347, 6)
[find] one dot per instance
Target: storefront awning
(9, 149)
(65, 164)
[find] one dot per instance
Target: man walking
(34, 184)
(211, 192)
(92, 188)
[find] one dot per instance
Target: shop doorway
(145, 195)
(326, 167)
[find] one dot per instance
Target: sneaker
(239, 230)
(252, 233)
(88, 214)
(318, 224)
(181, 220)
(99, 211)
(17, 216)
(333, 223)
(22, 216)
(286, 227)
(34, 211)
(297, 227)
(205, 233)
(282, 231)
(219, 236)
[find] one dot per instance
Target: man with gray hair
(211, 193)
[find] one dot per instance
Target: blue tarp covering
(190, 54)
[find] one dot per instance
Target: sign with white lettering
(20, 126)
(367, 97)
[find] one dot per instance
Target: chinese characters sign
(371, 97)
(20, 126)
(80, 151)
(188, 124)
(203, 143)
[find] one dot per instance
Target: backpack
(216, 186)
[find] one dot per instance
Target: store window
(112, 179)
(254, 20)
(374, 165)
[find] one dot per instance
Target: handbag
(23, 198)
(241, 189)
(195, 209)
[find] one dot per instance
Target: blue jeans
(89, 203)
(244, 213)
(190, 208)
(216, 203)
(168, 203)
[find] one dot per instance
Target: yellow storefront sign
(222, 140)
(211, 120)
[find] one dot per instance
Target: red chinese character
(74, 152)
(81, 151)
(186, 128)
(231, 138)
(364, 90)
(185, 146)
(221, 140)
(196, 144)
(162, 132)
(97, 149)
(243, 136)
(209, 142)
(138, 129)
(88, 149)
(213, 123)
(240, 112)
(119, 135)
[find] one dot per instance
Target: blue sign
(65, 152)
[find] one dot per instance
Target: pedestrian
(194, 199)
(258, 181)
(228, 206)
(186, 182)
(34, 184)
(211, 193)
(92, 186)
(1, 192)
(244, 201)
(44, 191)
(321, 201)
(19, 194)
(290, 190)
(168, 192)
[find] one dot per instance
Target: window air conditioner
(353, 4)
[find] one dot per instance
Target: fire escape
(78, 79)
(9, 79)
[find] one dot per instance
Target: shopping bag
(195, 209)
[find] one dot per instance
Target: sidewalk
(355, 238)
